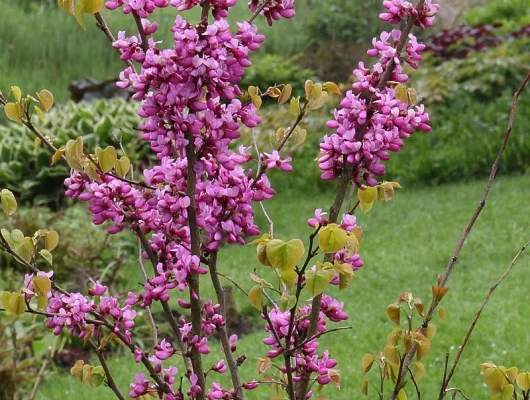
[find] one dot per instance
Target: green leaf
(255, 297)
(92, 6)
(47, 256)
(332, 238)
(284, 255)
(287, 302)
(98, 376)
(107, 158)
(317, 282)
(14, 238)
(294, 106)
(9, 203)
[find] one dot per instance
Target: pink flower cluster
(274, 9)
(306, 360)
(368, 127)
(399, 9)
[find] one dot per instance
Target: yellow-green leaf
(79, 14)
(401, 395)
(364, 387)
(58, 154)
(107, 158)
(286, 94)
(391, 354)
(9, 203)
(367, 362)
(401, 93)
(255, 297)
(66, 5)
(284, 255)
(14, 238)
(523, 380)
(317, 282)
(46, 99)
(393, 312)
(92, 6)
(332, 238)
(289, 277)
(17, 93)
(365, 207)
(47, 256)
(74, 154)
(14, 111)
(77, 369)
(367, 195)
(51, 240)
(98, 376)
(294, 105)
(13, 303)
(123, 166)
(331, 87)
(261, 252)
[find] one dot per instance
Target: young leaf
(14, 111)
(255, 297)
(79, 14)
(391, 354)
(51, 240)
(107, 158)
(289, 277)
(317, 282)
(46, 99)
(294, 105)
(367, 195)
(523, 381)
(332, 238)
(17, 93)
(47, 256)
(393, 312)
(98, 376)
(284, 255)
(286, 94)
(331, 87)
(66, 5)
(9, 203)
(92, 6)
(13, 303)
(58, 154)
(123, 166)
(367, 362)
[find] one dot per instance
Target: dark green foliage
(27, 171)
(513, 14)
(84, 250)
(464, 142)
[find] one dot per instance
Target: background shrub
(27, 171)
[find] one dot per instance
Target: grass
(407, 244)
(43, 47)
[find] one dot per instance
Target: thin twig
(141, 30)
(418, 393)
(108, 375)
(469, 226)
(40, 376)
(232, 364)
(233, 283)
(477, 316)
(101, 24)
(319, 335)
(260, 8)
(150, 319)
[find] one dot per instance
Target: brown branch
(108, 375)
(40, 376)
(193, 280)
(260, 8)
(141, 31)
(232, 364)
(465, 233)
(101, 24)
(475, 319)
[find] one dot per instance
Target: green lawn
(407, 244)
